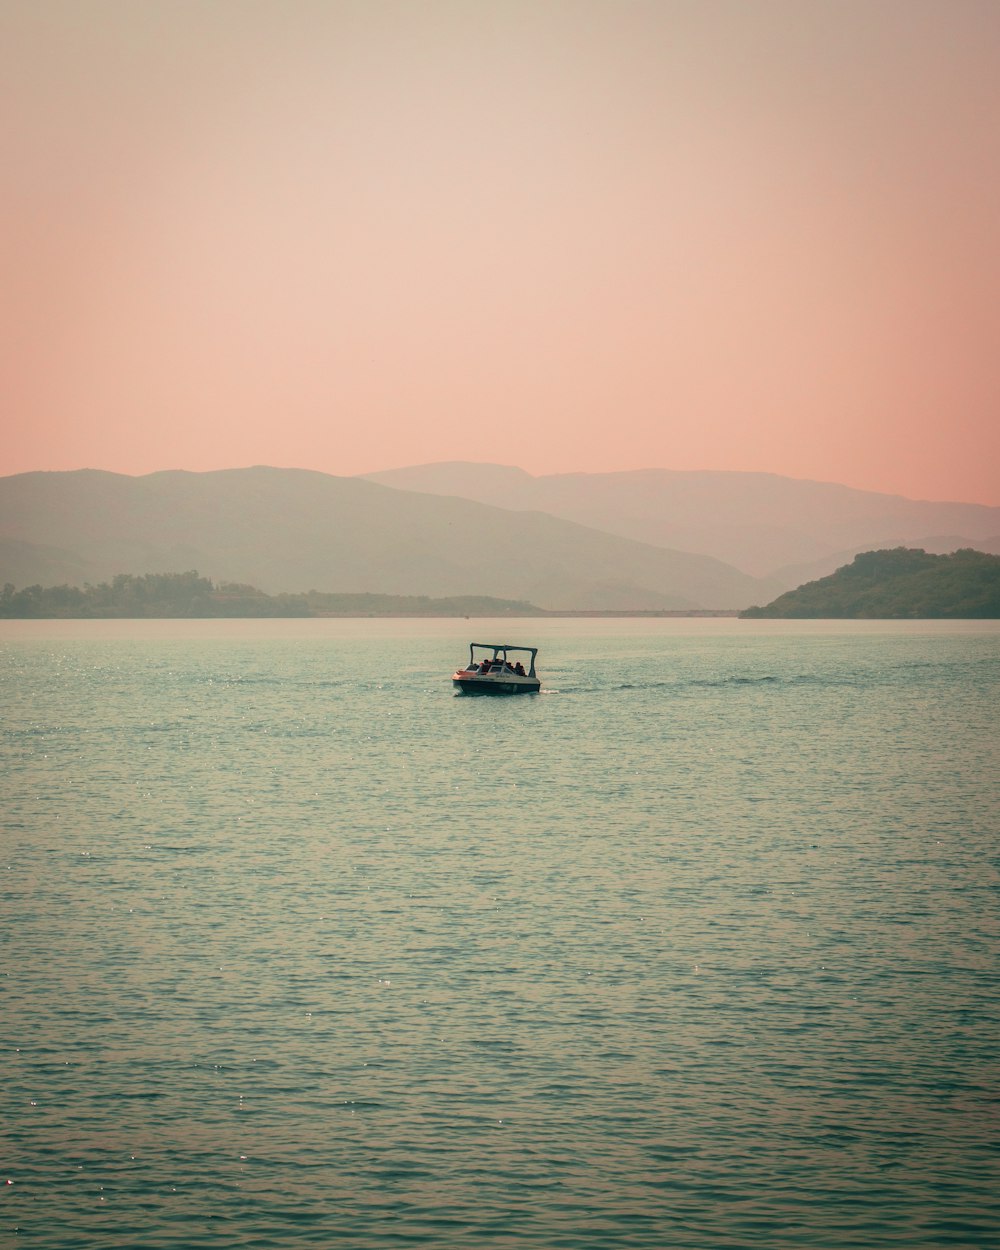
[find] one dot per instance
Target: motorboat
(495, 668)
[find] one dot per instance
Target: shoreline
(568, 614)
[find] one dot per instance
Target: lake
(698, 948)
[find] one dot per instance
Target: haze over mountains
(645, 540)
(295, 530)
(784, 529)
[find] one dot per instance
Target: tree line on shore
(903, 583)
(130, 595)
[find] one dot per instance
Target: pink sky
(573, 235)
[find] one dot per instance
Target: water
(697, 948)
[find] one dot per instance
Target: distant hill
(898, 584)
(768, 526)
(291, 530)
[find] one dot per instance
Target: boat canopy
(500, 649)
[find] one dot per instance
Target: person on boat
(519, 669)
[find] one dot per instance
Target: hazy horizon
(583, 237)
(374, 473)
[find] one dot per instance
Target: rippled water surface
(698, 948)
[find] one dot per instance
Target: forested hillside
(903, 582)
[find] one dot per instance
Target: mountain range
(288, 530)
(783, 529)
(645, 540)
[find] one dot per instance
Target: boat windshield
(496, 657)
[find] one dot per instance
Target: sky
(570, 235)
